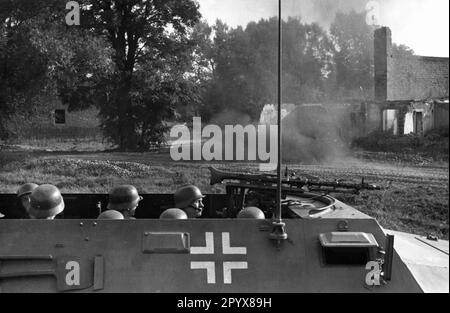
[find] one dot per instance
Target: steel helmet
(46, 201)
(175, 214)
(26, 189)
(251, 212)
(123, 198)
(110, 215)
(185, 195)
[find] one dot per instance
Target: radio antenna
(278, 232)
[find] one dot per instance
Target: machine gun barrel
(218, 176)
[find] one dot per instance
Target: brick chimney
(382, 61)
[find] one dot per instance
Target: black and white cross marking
(210, 267)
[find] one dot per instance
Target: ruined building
(53, 120)
(411, 96)
(411, 92)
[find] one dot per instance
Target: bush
(435, 143)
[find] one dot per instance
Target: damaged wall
(407, 78)
(54, 120)
(441, 115)
(418, 78)
(406, 90)
(419, 117)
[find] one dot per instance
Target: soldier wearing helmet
(251, 213)
(110, 215)
(176, 214)
(23, 194)
(125, 200)
(46, 202)
(189, 199)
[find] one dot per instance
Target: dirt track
(381, 173)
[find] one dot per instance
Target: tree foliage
(244, 66)
(152, 55)
(41, 57)
(131, 58)
(354, 71)
(22, 67)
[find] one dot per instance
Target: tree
(15, 54)
(41, 57)
(402, 51)
(244, 71)
(129, 57)
(307, 62)
(152, 51)
(353, 38)
(202, 71)
(204, 65)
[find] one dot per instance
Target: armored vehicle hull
(335, 250)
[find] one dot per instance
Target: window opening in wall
(418, 123)
(409, 123)
(60, 116)
(390, 121)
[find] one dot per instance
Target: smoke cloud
(311, 134)
(419, 24)
(322, 12)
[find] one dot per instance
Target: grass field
(416, 199)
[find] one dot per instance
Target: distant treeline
(144, 62)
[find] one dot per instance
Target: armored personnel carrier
(319, 245)
(308, 242)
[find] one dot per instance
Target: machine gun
(260, 189)
(290, 182)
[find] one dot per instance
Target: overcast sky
(423, 25)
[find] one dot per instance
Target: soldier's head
(189, 199)
(251, 213)
(23, 193)
(124, 199)
(173, 214)
(110, 215)
(46, 202)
